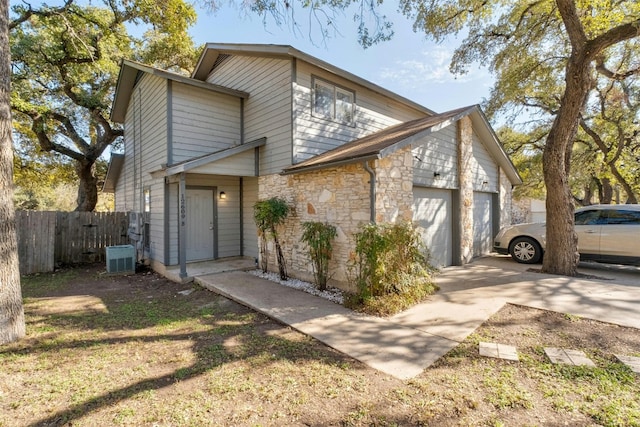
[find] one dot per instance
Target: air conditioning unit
(121, 259)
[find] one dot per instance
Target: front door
(201, 222)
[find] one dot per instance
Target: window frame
(334, 107)
(623, 217)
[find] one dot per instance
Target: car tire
(525, 250)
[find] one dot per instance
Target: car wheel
(525, 250)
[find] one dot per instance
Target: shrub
(319, 237)
(389, 269)
(268, 215)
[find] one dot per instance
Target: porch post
(182, 229)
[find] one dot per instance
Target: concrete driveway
(405, 344)
(472, 293)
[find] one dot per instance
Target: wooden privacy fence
(47, 239)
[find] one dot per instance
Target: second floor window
(333, 102)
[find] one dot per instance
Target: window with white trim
(333, 102)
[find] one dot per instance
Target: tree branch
(26, 14)
(571, 20)
(615, 35)
(602, 69)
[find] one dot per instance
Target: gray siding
(203, 122)
(156, 221)
(250, 197)
(145, 134)
(437, 153)
(174, 203)
(267, 111)
(241, 164)
(314, 135)
(484, 170)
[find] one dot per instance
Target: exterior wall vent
(121, 259)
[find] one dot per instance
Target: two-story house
(256, 121)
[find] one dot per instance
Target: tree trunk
(12, 325)
(607, 192)
(561, 255)
(631, 197)
(282, 266)
(88, 186)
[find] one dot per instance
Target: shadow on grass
(207, 320)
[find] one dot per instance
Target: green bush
(319, 238)
(390, 269)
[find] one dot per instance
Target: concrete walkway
(405, 344)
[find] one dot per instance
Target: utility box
(121, 259)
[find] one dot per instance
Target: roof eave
(499, 153)
(212, 50)
(326, 165)
(127, 76)
(113, 173)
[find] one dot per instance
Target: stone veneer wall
(394, 184)
(339, 196)
(465, 155)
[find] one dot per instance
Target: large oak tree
(64, 70)
(65, 65)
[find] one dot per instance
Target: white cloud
(424, 76)
(431, 67)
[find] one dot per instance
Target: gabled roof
(190, 164)
(393, 138)
(212, 52)
(113, 173)
(130, 73)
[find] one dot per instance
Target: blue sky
(408, 64)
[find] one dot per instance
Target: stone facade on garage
(339, 196)
(465, 153)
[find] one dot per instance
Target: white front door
(200, 224)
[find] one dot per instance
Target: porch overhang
(243, 165)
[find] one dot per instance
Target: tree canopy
(65, 65)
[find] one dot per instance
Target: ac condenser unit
(121, 259)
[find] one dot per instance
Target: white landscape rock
(331, 294)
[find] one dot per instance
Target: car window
(618, 216)
(591, 217)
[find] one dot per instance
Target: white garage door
(432, 213)
(482, 224)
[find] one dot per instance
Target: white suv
(606, 233)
